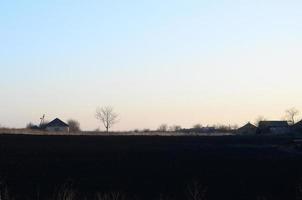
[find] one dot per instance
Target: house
(57, 125)
(274, 127)
(297, 127)
(247, 129)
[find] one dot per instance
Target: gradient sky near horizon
(159, 61)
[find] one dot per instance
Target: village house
(248, 129)
(274, 127)
(57, 125)
(297, 128)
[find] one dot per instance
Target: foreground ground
(150, 167)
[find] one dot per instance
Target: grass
(143, 167)
(103, 133)
(195, 191)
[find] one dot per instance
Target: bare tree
(146, 130)
(197, 126)
(107, 116)
(291, 114)
(234, 126)
(30, 125)
(223, 127)
(74, 125)
(43, 125)
(162, 128)
(259, 119)
(174, 128)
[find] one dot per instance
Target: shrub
(74, 125)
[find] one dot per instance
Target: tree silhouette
(291, 115)
(74, 125)
(107, 116)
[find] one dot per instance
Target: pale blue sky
(159, 61)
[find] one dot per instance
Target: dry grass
(93, 133)
(65, 192)
(4, 193)
(196, 191)
(110, 196)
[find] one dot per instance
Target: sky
(160, 61)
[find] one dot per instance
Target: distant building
(248, 129)
(57, 125)
(275, 127)
(297, 128)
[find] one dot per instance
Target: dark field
(143, 167)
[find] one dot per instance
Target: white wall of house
(57, 129)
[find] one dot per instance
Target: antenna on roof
(42, 120)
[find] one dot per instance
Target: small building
(274, 127)
(248, 129)
(57, 125)
(297, 127)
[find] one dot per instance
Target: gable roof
(248, 126)
(272, 124)
(298, 124)
(57, 122)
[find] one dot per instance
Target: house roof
(298, 124)
(248, 126)
(271, 124)
(57, 122)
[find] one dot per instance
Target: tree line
(108, 118)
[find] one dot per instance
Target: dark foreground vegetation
(147, 168)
